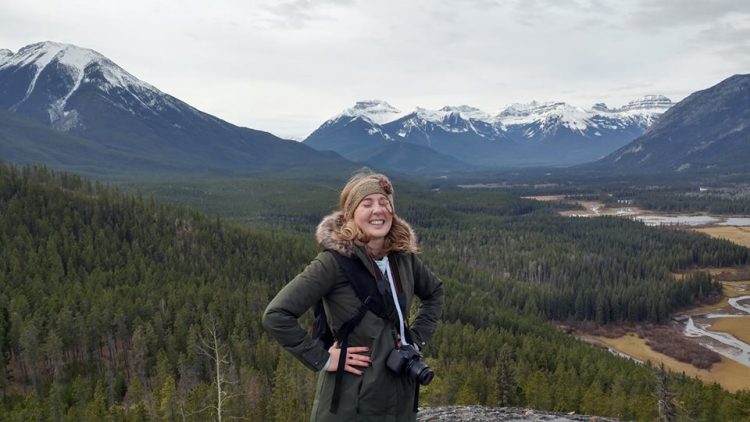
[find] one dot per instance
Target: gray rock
(486, 414)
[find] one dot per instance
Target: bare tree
(665, 398)
(211, 346)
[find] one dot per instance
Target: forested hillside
(113, 307)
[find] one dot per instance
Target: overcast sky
(286, 66)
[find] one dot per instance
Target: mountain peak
(377, 111)
(545, 114)
(4, 55)
(647, 102)
(600, 107)
(467, 112)
(43, 53)
(370, 104)
(118, 121)
(72, 67)
(75, 59)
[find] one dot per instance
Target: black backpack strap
(363, 282)
(369, 290)
(343, 335)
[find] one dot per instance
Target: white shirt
(386, 270)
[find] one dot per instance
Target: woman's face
(374, 216)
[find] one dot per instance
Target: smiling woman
(373, 370)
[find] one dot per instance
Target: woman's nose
(379, 208)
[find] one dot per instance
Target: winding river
(725, 344)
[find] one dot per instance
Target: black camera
(406, 360)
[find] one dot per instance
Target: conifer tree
(506, 388)
(537, 391)
(285, 405)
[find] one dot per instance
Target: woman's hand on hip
(355, 357)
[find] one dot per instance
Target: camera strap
(416, 398)
(385, 269)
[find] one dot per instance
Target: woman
(366, 232)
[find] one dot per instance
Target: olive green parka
(379, 394)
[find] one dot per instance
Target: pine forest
(115, 306)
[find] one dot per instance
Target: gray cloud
(662, 14)
(298, 13)
(727, 40)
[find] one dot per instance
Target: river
(725, 344)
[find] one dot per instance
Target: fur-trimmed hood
(324, 234)
(331, 223)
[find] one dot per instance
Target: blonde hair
(400, 237)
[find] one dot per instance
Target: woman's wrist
(328, 362)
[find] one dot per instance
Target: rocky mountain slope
(707, 131)
(79, 92)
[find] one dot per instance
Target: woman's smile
(374, 216)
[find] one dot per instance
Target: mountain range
(72, 107)
(551, 133)
(115, 120)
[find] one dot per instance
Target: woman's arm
(281, 316)
(429, 289)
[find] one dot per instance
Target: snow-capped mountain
(376, 111)
(84, 94)
(56, 72)
(461, 119)
(357, 134)
(550, 133)
(540, 121)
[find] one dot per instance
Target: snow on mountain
(376, 111)
(530, 121)
(649, 102)
(79, 66)
(645, 109)
(545, 115)
(468, 112)
(535, 133)
(122, 121)
(5, 54)
(449, 119)
(425, 121)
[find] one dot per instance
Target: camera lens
(420, 372)
(425, 377)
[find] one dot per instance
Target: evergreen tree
(537, 391)
(285, 405)
(506, 388)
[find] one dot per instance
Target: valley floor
(731, 375)
(723, 326)
(724, 320)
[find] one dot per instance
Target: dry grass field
(738, 327)
(738, 235)
(731, 375)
